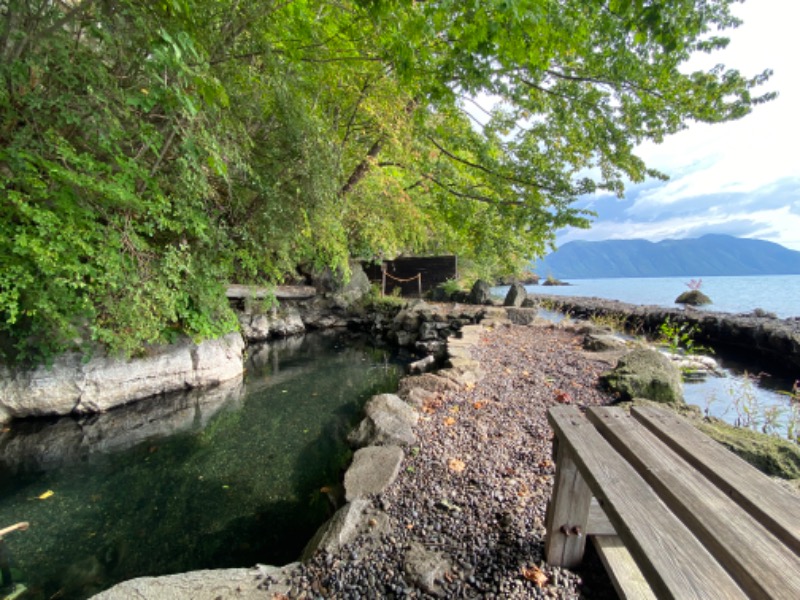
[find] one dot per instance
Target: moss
(773, 455)
(770, 454)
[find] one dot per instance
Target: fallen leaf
(46, 495)
(478, 405)
(534, 574)
(563, 397)
(449, 421)
(469, 386)
(455, 465)
(454, 409)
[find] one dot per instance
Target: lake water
(226, 477)
(779, 294)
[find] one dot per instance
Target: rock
(599, 342)
(522, 315)
(553, 281)
(437, 348)
(422, 365)
(389, 422)
(646, 373)
(260, 327)
(417, 397)
(213, 584)
(517, 294)
(693, 298)
(70, 386)
(428, 381)
(426, 568)
(353, 519)
(374, 468)
(481, 293)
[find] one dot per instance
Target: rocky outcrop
(769, 343)
(71, 386)
(258, 327)
(645, 373)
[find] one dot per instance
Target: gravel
(474, 489)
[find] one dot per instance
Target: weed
(679, 338)
(613, 321)
(695, 284)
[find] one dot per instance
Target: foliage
(151, 152)
(679, 337)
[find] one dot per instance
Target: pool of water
(228, 477)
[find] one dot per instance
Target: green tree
(151, 152)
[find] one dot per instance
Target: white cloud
(742, 177)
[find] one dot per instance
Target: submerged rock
(646, 373)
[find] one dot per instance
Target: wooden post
(568, 512)
(383, 281)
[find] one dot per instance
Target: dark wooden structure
(412, 275)
(672, 513)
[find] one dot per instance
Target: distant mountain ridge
(712, 254)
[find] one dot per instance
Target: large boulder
(646, 373)
(481, 293)
(374, 468)
(352, 520)
(693, 298)
(389, 422)
(71, 386)
(517, 294)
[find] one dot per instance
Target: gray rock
(522, 315)
(422, 365)
(242, 584)
(70, 386)
(428, 381)
(598, 342)
(353, 519)
(426, 568)
(389, 422)
(646, 373)
(260, 327)
(417, 397)
(373, 470)
(481, 293)
(517, 294)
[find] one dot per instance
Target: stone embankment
(759, 337)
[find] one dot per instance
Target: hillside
(697, 257)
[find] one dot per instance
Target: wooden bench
(672, 513)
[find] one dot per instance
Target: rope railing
(418, 277)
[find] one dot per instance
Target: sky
(740, 178)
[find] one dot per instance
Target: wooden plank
(775, 507)
(281, 292)
(622, 569)
(567, 514)
(762, 565)
(598, 523)
(674, 562)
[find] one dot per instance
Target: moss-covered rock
(645, 373)
(693, 298)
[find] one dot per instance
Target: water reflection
(225, 478)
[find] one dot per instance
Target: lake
(779, 294)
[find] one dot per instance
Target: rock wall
(759, 337)
(71, 386)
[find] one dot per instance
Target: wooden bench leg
(568, 513)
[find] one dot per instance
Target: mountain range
(712, 254)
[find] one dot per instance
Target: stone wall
(760, 338)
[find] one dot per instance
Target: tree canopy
(151, 151)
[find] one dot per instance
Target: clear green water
(225, 478)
